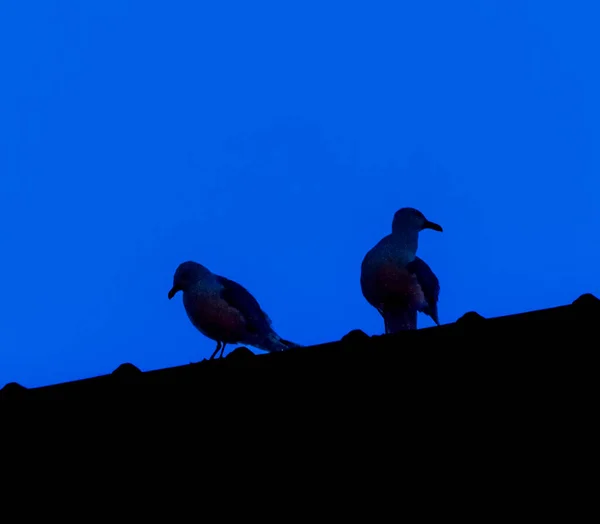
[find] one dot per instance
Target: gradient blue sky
(272, 142)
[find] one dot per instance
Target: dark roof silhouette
(482, 415)
(523, 352)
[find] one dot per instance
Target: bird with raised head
(394, 280)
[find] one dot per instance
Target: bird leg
(385, 324)
(222, 350)
(216, 350)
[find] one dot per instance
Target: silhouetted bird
(224, 311)
(394, 280)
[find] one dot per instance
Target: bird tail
(273, 342)
(432, 311)
(289, 344)
(399, 320)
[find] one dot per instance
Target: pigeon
(224, 311)
(394, 280)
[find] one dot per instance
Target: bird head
(412, 219)
(186, 276)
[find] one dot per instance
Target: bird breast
(385, 281)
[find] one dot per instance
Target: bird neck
(208, 284)
(409, 241)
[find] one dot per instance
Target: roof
(473, 352)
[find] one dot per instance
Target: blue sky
(272, 142)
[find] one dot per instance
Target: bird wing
(430, 285)
(239, 298)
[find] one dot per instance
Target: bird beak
(172, 292)
(432, 225)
